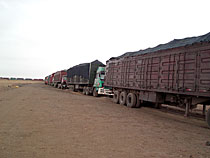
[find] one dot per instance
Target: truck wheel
(116, 97)
(131, 100)
(87, 91)
(95, 93)
(122, 98)
(138, 102)
(84, 90)
(208, 117)
(74, 88)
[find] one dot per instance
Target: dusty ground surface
(38, 121)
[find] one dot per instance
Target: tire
(95, 93)
(131, 100)
(87, 91)
(122, 98)
(138, 102)
(74, 88)
(116, 97)
(208, 117)
(84, 90)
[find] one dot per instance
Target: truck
(88, 78)
(176, 73)
(46, 80)
(59, 79)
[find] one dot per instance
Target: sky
(39, 37)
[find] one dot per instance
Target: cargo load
(83, 73)
(172, 44)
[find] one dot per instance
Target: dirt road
(38, 121)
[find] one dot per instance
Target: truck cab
(99, 87)
(64, 82)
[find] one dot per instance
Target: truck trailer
(175, 73)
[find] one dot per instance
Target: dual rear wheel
(85, 91)
(95, 93)
(122, 98)
(116, 97)
(130, 100)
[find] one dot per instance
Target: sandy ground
(39, 121)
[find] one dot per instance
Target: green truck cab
(99, 88)
(88, 78)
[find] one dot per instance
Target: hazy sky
(39, 37)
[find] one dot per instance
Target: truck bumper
(105, 91)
